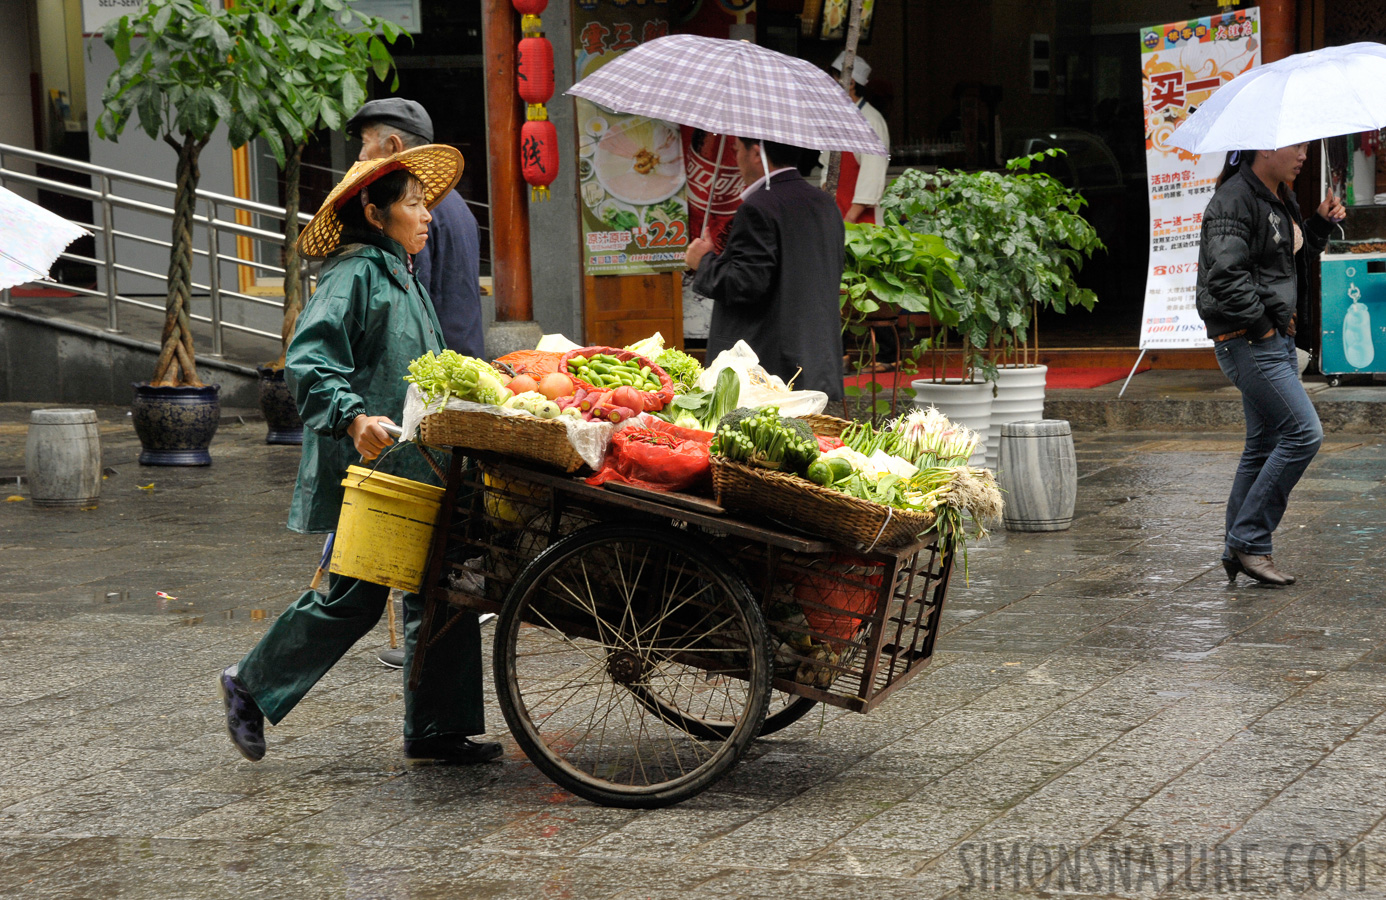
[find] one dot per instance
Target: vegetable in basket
(761, 437)
(450, 374)
(684, 369)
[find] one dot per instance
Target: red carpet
(41, 292)
(1057, 379)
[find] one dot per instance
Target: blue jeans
(1282, 435)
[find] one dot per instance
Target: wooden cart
(644, 640)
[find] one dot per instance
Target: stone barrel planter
(1038, 474)
(62, 458)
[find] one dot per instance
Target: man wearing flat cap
(449, 267)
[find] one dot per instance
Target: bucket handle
(393, 431)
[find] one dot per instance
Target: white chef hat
(861, 69)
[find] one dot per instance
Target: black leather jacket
(1249, 277)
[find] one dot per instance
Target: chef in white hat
(862, 179)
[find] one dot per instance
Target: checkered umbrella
(732, 87)
(31, 238)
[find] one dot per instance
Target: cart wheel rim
(602, 621)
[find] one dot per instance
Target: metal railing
(217, 219)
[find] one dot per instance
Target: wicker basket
(818, 510)
(827, 426)
(538, 440)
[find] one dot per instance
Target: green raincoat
(367, 320)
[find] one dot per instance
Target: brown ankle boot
(1263, 569)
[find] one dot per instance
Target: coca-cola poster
(631, 172)
(714, 184)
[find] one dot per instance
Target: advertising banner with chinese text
(1182, 65)
(630, 168)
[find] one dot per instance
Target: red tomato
(628, 397)
(555, 385)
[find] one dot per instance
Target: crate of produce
(805, 506)
(524, 437)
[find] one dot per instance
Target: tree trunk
(293, 284)
(177, 363)
(848, 59)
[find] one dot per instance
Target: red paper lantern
(539, 156)
(535, 70)
(530, 7)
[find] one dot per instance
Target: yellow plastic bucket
(386, 529)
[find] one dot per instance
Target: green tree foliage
(318, 54)
(1020, 240)
(183, 68)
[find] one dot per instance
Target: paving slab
(1104, 717)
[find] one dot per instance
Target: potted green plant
(889, 270)
(180, 74)
(319, 55)
(1021, 240)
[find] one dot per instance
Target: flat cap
(406, 115)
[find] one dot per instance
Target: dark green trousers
(315, 631)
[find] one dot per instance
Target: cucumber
(820, 472)
(841, 468)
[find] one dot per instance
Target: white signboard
(1182, 64)
(96, 14)
(404, 13)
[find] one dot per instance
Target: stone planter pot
(964, 403)
(277, 404)
(1019, 398)
(62, 458)
(176, 424)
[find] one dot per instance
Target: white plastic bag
(759, 387)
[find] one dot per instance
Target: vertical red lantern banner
(534, 83)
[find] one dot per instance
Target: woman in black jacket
(1252, 289)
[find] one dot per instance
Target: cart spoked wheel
(603, 621)
(684, 706)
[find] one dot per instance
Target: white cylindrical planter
(964, 403)
(1038, 473)
(1019, 398)
(62, 457)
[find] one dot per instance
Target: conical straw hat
(437, 166)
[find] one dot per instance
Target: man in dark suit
(449, 267)
(775, 284)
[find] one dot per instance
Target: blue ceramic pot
(176, 424)
(277, 403)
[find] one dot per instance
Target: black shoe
(454, 749)
(1231, 567)
(391, 657)
(244, 721)
(1263, 569)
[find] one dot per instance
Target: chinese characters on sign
(630, 168)
(1182, 65)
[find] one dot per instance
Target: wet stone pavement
(1104, 717)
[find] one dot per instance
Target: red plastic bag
(661, 457)
(847, 584)
(534, 363)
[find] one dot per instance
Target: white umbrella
(1305, 97)
(732, 87)
(31, 238)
